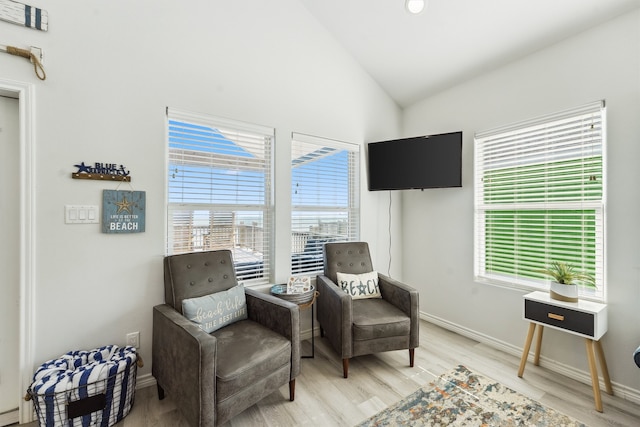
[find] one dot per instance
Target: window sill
(519, 287)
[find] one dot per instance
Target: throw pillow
(360, 286)
(212, 312)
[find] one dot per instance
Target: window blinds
(324, 198)
(219, 190)
(540, 196)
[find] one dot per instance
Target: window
(540, 197)
(324, 198)
(219, 190)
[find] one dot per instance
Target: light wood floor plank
(324, 398)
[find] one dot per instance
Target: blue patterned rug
(465, 398)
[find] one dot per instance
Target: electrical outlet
(133, 339)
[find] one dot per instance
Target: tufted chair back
(196, 274)
(346, 257)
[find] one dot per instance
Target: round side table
(304, 302)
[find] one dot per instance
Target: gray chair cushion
(247, 353)
(376, 318)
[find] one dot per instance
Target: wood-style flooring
(324, 398)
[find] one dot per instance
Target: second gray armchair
(356, 327)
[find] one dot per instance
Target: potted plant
(565, 280)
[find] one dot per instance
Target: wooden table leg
(527, 347)
(594, 374)
(603, 368)
(536, 360)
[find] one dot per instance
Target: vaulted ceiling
(414, 56)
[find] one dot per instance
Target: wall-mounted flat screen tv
(430, 161)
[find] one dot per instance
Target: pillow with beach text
(360, 286)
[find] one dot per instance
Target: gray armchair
(356, 327)
(213, 377)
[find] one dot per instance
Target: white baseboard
(8, 418)
(146, 380)
(306, 335)
(619, 390)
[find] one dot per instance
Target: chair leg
(411, 353)
(292, 390)
(321, 332)
(345, 368)
(160, 392)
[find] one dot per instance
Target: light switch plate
(81, 214)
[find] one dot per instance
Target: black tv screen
(430, 161)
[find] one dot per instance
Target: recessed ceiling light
(414, 6)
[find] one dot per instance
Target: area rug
(464, 398)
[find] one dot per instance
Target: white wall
(602, 63)
(112, 68)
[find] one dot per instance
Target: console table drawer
(560, 317)
(584, 318)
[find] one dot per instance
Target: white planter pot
(562, 292)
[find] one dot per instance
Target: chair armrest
(335, 315)
(280, 316)
(184, 363)
(405, 298)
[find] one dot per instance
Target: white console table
(583, 318)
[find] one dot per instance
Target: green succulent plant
(566, 274)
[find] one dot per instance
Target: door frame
(25, 92)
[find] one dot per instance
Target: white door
(9, 260)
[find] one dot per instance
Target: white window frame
(315, 219)
(554, 144)
(212, 209)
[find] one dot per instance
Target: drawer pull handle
(555, 316)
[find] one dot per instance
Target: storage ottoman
(86, 388)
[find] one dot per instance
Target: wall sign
(23, 14)
(123, 211)
(102, 171)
